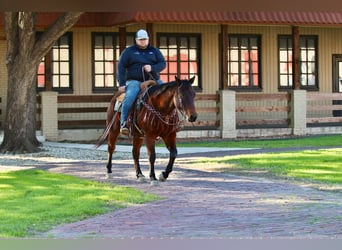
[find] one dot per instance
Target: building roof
(92, 19)
(247, 17)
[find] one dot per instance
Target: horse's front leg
(151, 152)
(170, 143)
(137, 143)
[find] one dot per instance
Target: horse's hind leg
(112, 139)
(170, 143)
(137, 143)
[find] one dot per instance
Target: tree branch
(54, 31)
(12, 35)
(27, 35)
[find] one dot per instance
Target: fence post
(49, 115)
(298, 112)
(227, 114)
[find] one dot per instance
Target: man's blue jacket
(132, 61)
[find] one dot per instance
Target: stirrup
(124, 130)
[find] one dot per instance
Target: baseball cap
(141, 34)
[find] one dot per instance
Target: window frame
(239, 62)
(49, 65)
(178, 37)
(116, 56)
(289, 38)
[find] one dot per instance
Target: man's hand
(147, 68)
(122, 89)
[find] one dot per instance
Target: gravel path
(197, 203)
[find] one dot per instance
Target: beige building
(257, 73)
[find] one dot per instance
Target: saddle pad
(117, 106)
(120, 97)
(118, 102)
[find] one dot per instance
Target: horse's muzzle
(192, 118)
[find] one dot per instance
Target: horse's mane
(160, 88)
(157, 89)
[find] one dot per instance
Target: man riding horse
(159, 107)
(137, 64)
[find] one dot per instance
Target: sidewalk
(128, 148)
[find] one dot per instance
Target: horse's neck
(164, 102)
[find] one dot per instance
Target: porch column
(295, 58)
(122, 38)
(298, 112)
(149, 29)
(49, 115)
(227, 114)
(224, 56)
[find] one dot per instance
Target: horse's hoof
(154, 183)
(161, 177)
(141, 179)
(109, 176)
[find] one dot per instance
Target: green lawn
(324, 166)
(315, 141)
(315, 166)
(33, 201)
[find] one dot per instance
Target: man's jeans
(132, 91)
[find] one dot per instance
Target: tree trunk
(24, 52)
(20, 125)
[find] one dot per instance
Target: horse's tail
(105, 132)
(110, 123)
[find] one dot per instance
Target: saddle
(143, 87)
(130, 120)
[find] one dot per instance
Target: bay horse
(154, 115)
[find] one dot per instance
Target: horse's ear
(192, 79)
(177, 79)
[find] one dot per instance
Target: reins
(159, 115)
(152, 109)
(149, 74)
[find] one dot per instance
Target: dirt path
(204, 204)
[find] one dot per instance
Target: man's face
(142, 43)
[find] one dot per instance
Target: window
(59, 61)
(308, 61)
(244, 57)
(106, 53)
(41, 75)
(182, 56)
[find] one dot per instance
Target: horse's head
(185, 102)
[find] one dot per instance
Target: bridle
(179, 108)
